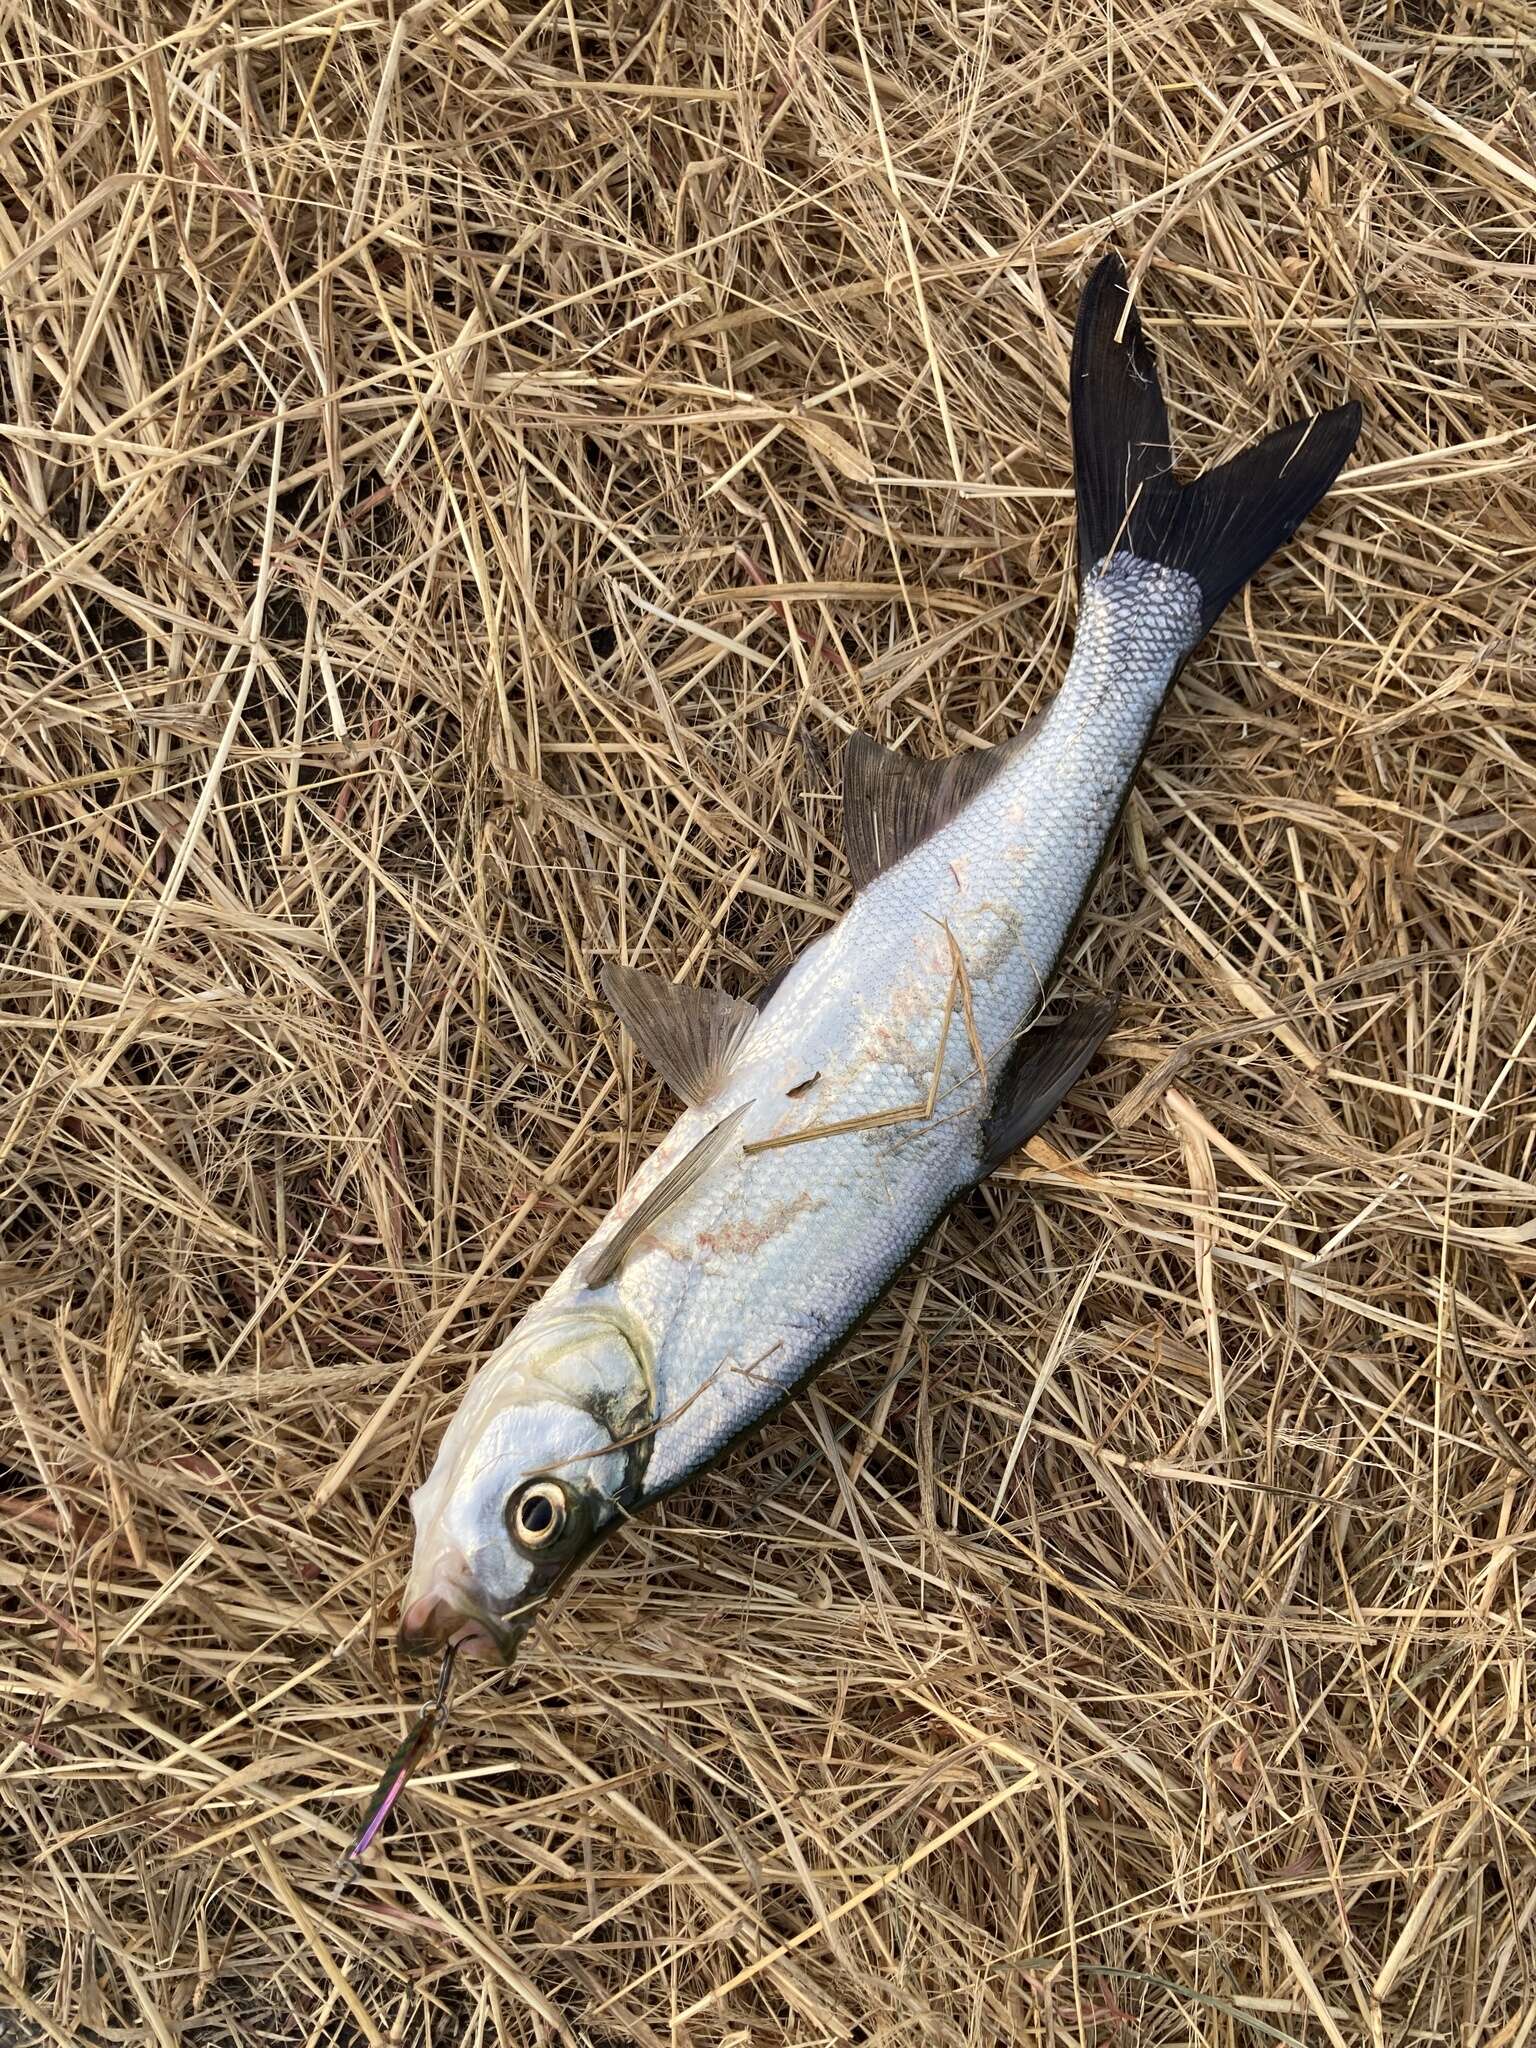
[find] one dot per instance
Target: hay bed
(465, 472)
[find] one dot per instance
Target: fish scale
(767, 1264)
(901, 1059)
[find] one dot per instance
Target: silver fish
(898, 1062)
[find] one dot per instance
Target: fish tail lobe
(1218, 529)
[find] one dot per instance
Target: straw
(464, 469)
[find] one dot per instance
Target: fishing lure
(401, 1768)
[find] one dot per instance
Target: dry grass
(466, 469)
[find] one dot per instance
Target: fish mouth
(435, 1622)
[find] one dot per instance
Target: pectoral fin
(687, 1034)
(678, 1182)
(1046, 1067)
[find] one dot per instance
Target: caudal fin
(1224, 525)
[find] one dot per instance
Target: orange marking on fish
(750, 1235)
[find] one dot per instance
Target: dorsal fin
(893, 802)
(1043, 1071)
(677, 1182)
(687, 1034)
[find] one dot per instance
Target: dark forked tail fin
(1218, 529)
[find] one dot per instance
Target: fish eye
(537, 1515)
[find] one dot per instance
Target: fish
(904, 1056)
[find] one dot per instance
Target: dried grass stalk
(464, 471)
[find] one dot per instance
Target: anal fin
(1049, 1062)
(688, 1034)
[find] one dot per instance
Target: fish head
(546, 1451)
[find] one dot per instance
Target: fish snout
(437, 1618)
(427, 1623)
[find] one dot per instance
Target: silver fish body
(763, 1270)
(890, 1069)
